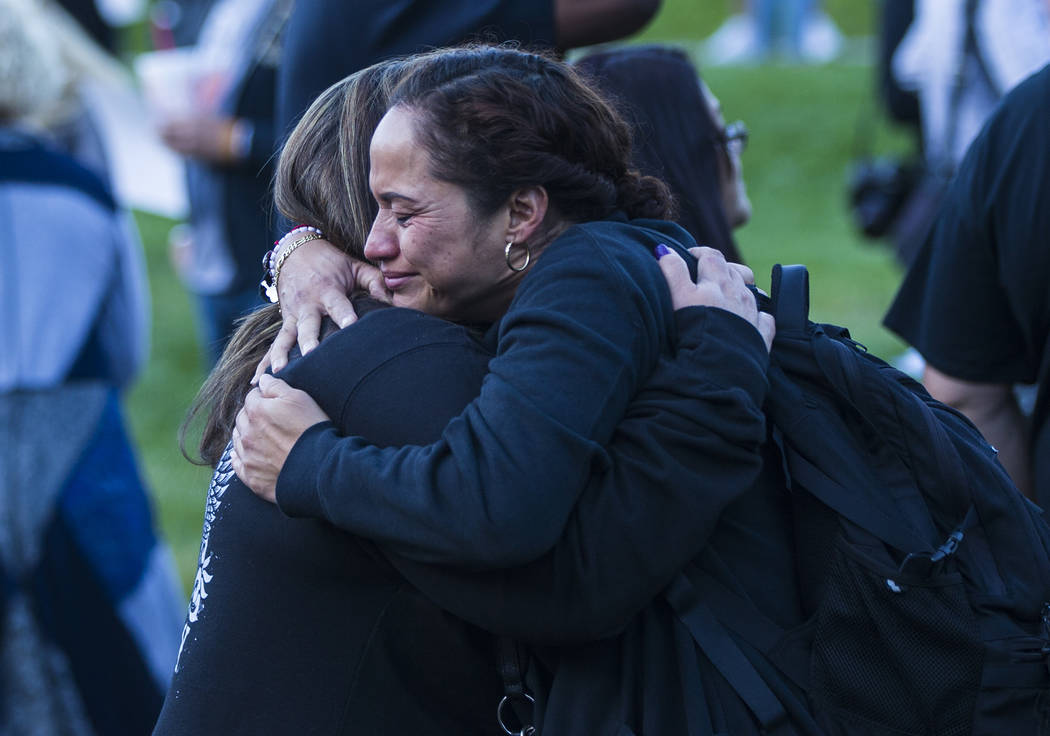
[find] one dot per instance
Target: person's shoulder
(1032, 94)
(391, 364)
(1015, 131)
(608, 264)
(620, 246)
(385, 333)
(620, 238)
(1003, 173)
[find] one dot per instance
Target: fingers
(711, 264)
(282, 344)
(238, 466)
(677, 274)
(260, 370)
(339, 309)
(377, 288)
(718, 284)
(309, 326)
(368, 277)
(767, 327)
(711, 255)
(743, 271)
(240, 457)
(237, 438)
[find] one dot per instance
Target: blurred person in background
(175, 23)
(959, 57)
(975, 303)
(89, 16)
(90, 604)
(330, 39)
(761, 30)
(73, 121)
(895, 17)
(781, 24)
(227, 138)
(102, 20)
(679, 136)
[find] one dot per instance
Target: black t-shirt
(976, 302)
(296, 627)
(327, 40)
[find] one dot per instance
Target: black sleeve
(688, 446)
(314, 56)
(327, 40)
(585, 330)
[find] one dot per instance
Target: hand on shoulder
(718, 284)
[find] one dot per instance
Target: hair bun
(644, 196)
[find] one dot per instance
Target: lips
(395, 280)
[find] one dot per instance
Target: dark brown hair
(673, 134)
(494, 119)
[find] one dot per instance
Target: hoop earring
(528, 256)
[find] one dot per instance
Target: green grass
(160, 398)
(802, 121)
(691, 20)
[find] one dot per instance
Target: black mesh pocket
(893, 654)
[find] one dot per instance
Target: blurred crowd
(91, 609)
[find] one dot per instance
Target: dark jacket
(502, 489)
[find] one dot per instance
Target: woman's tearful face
(436, 253)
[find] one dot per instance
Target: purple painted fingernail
(661, 251)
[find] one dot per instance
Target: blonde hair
(34, 77)
(44, 57)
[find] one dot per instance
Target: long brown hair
(321, 179)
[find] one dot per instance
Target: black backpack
(925, 573)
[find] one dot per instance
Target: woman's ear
(528, 208)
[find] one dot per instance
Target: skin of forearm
(1005, 428)
(994, 409)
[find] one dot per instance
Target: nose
(380, 245)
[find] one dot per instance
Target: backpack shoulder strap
(721, 651)
(806, 433)
(790, 296)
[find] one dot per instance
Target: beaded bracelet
(270, 259)
(274, 258)
(288, 251)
